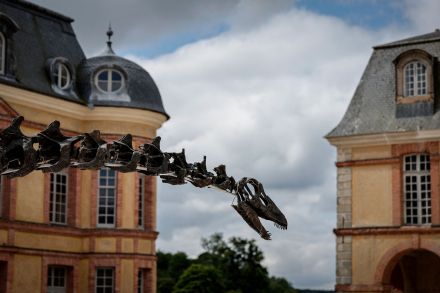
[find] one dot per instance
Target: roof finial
(109, 41)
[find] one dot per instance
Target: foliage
(232, 266)
(169, 268)
(280, 285)
(239, 261)
(200, 279)
(314, 291)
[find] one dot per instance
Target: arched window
(62, 76)
(2, 53)
(415, 79)
(109, 80)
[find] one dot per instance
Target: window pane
(417, 189)
(106, 197)
(62, 76)
(2, 53)
(58, 198)
(141, 200)
(415, 79)
(104, 280)
(116, 76)
(116, 85)
(102, 85)
(103, 76)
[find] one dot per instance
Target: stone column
(344, 220)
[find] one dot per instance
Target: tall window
(56, 279)
(2, 53)
(417, 189)
(3, 276)
(107, 198)
(140, 283)
(141, 201)
(105, 280)
(109, 80)
(415, 79)
(58, 198)
(1, 196)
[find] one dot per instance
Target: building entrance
(416, 272)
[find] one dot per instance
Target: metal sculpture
(55, 152)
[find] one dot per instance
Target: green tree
(169, 268)
(200, 278)
(178, 263)
(233, 266)
(280, 285)
(239, 261)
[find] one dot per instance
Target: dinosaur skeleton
(55, 152)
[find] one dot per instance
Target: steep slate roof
(44, 35)
(372, 109)
(429, 37)
(139, 85)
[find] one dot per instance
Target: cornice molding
(387, 230)
(81, 113)
(385, 138)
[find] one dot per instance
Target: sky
(255, 85)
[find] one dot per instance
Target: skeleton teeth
(282, 227)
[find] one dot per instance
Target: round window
(62, 76)
(109, 80)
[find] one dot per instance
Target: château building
(388, 156)
(74, 231)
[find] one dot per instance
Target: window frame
(50, 288)
(112, 288)
(58, 76)
(415, 75)
(2, 54)
(141, 201)
(414, 189)
(109, 81)
(2, 193)
(106, 188)
(401, 63)
(52, 197)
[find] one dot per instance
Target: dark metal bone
(18, 157)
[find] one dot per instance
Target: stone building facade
(74, 231)
(388, 205)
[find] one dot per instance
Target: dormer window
(8, 27)
(109, 80)
(62, 76)
(415, 79)
(2, 53)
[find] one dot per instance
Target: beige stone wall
(26, 274)
(30, 198)
(371, 152)
(370, 253)
(372, 196)
(30, 230)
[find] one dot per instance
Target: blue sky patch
(371, 14)
(171, 43)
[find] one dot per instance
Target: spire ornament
(109, 50)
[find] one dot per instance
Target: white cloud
(423, 15)
(259, 98)
(260, 101)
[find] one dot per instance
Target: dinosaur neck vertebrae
(51, 151)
